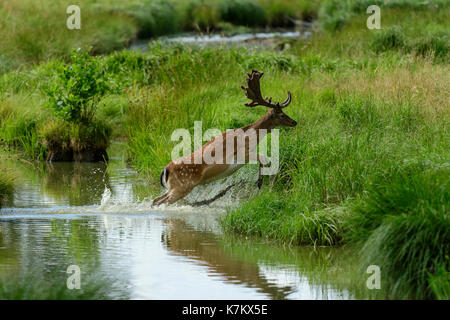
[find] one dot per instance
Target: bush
(78, 88)
(242, 12)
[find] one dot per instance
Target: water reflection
(148, 256)
(203, 247)
(128, 250)
(58, 184)
(76, 184)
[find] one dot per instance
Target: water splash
(106, 196)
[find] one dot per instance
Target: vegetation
(367, 165)
(33, 32)
(74, 95)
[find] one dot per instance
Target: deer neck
(262, 126)
(265, 122)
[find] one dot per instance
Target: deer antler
(253, 92)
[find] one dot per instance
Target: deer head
(276, 116)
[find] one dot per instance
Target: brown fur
(183, 177)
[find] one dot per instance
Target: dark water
(98, 217)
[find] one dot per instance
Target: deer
(182, 175)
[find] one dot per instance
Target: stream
(267, 39)
(98, 216)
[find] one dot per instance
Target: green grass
(284, 218)
(405, 227)
(334, 15)
(35, 31)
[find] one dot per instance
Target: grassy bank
(367, 164)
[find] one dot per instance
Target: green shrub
(78, 87)
(309, 11)
(242, 12)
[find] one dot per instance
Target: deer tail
(164, 177)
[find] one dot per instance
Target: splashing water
(105, 197)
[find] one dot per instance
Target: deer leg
(263, 161)
(177, 194)
(160, 199)
(172, 196)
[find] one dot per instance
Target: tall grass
(405, 228)
(281, 217)
(35, 31)
(334, 15)
(244, 12)
(199, 15)
(154, 18)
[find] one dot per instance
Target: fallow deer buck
(180, 176)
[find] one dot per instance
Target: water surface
(99, 217)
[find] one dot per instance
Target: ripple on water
(100, 218)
